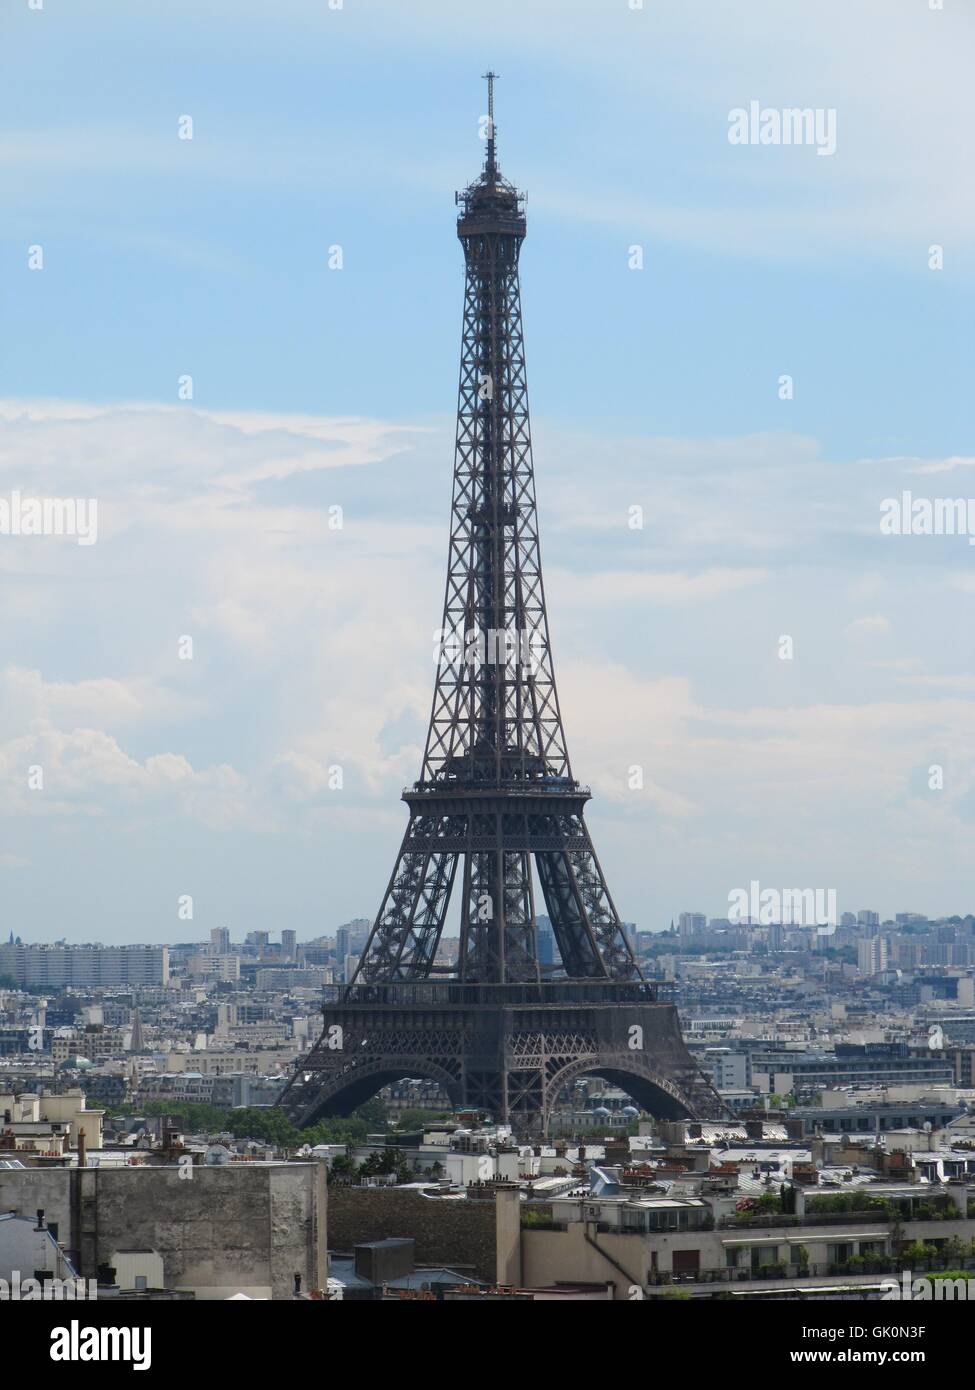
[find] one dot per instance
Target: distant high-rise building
(289, 944)
(342, 939)
(359, 929)
(732, 1071)
(546, 941)
(691, 923)
(871, 955)
(220, 941)
(54, 966)
(868, 919)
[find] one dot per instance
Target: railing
(881, 1265)
(551, 785)
(747, 1220)
(414, 993)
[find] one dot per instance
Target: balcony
(456, 993)
(858, 1267)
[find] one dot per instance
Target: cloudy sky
(316, 388)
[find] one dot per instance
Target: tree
(919, 1253)
(382, 1161)
(194, 1116)
(372, 1114)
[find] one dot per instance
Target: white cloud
(623, 587)
(48, 772)
(874, 625)
(313, 650)
(104, 702)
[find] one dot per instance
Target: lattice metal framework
(496, 787)
(495, 798)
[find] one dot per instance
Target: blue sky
(314, 127)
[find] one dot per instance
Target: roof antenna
(490, 167)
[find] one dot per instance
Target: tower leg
(584, 918)
(404, 939)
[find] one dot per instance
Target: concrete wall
(458, 1234)
(508, 1235)
(245, 1228)
(551, 1257)
(23, 1190)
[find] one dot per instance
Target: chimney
(82, 1149)
(40, 1219)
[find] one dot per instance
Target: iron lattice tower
(502, 1031)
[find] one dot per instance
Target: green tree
(373, 1115)
(194, 1116)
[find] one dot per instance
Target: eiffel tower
(501, 1032)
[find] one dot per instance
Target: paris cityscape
(625, 951)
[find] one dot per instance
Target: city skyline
(892, 919)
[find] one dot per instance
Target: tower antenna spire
(491, 166)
